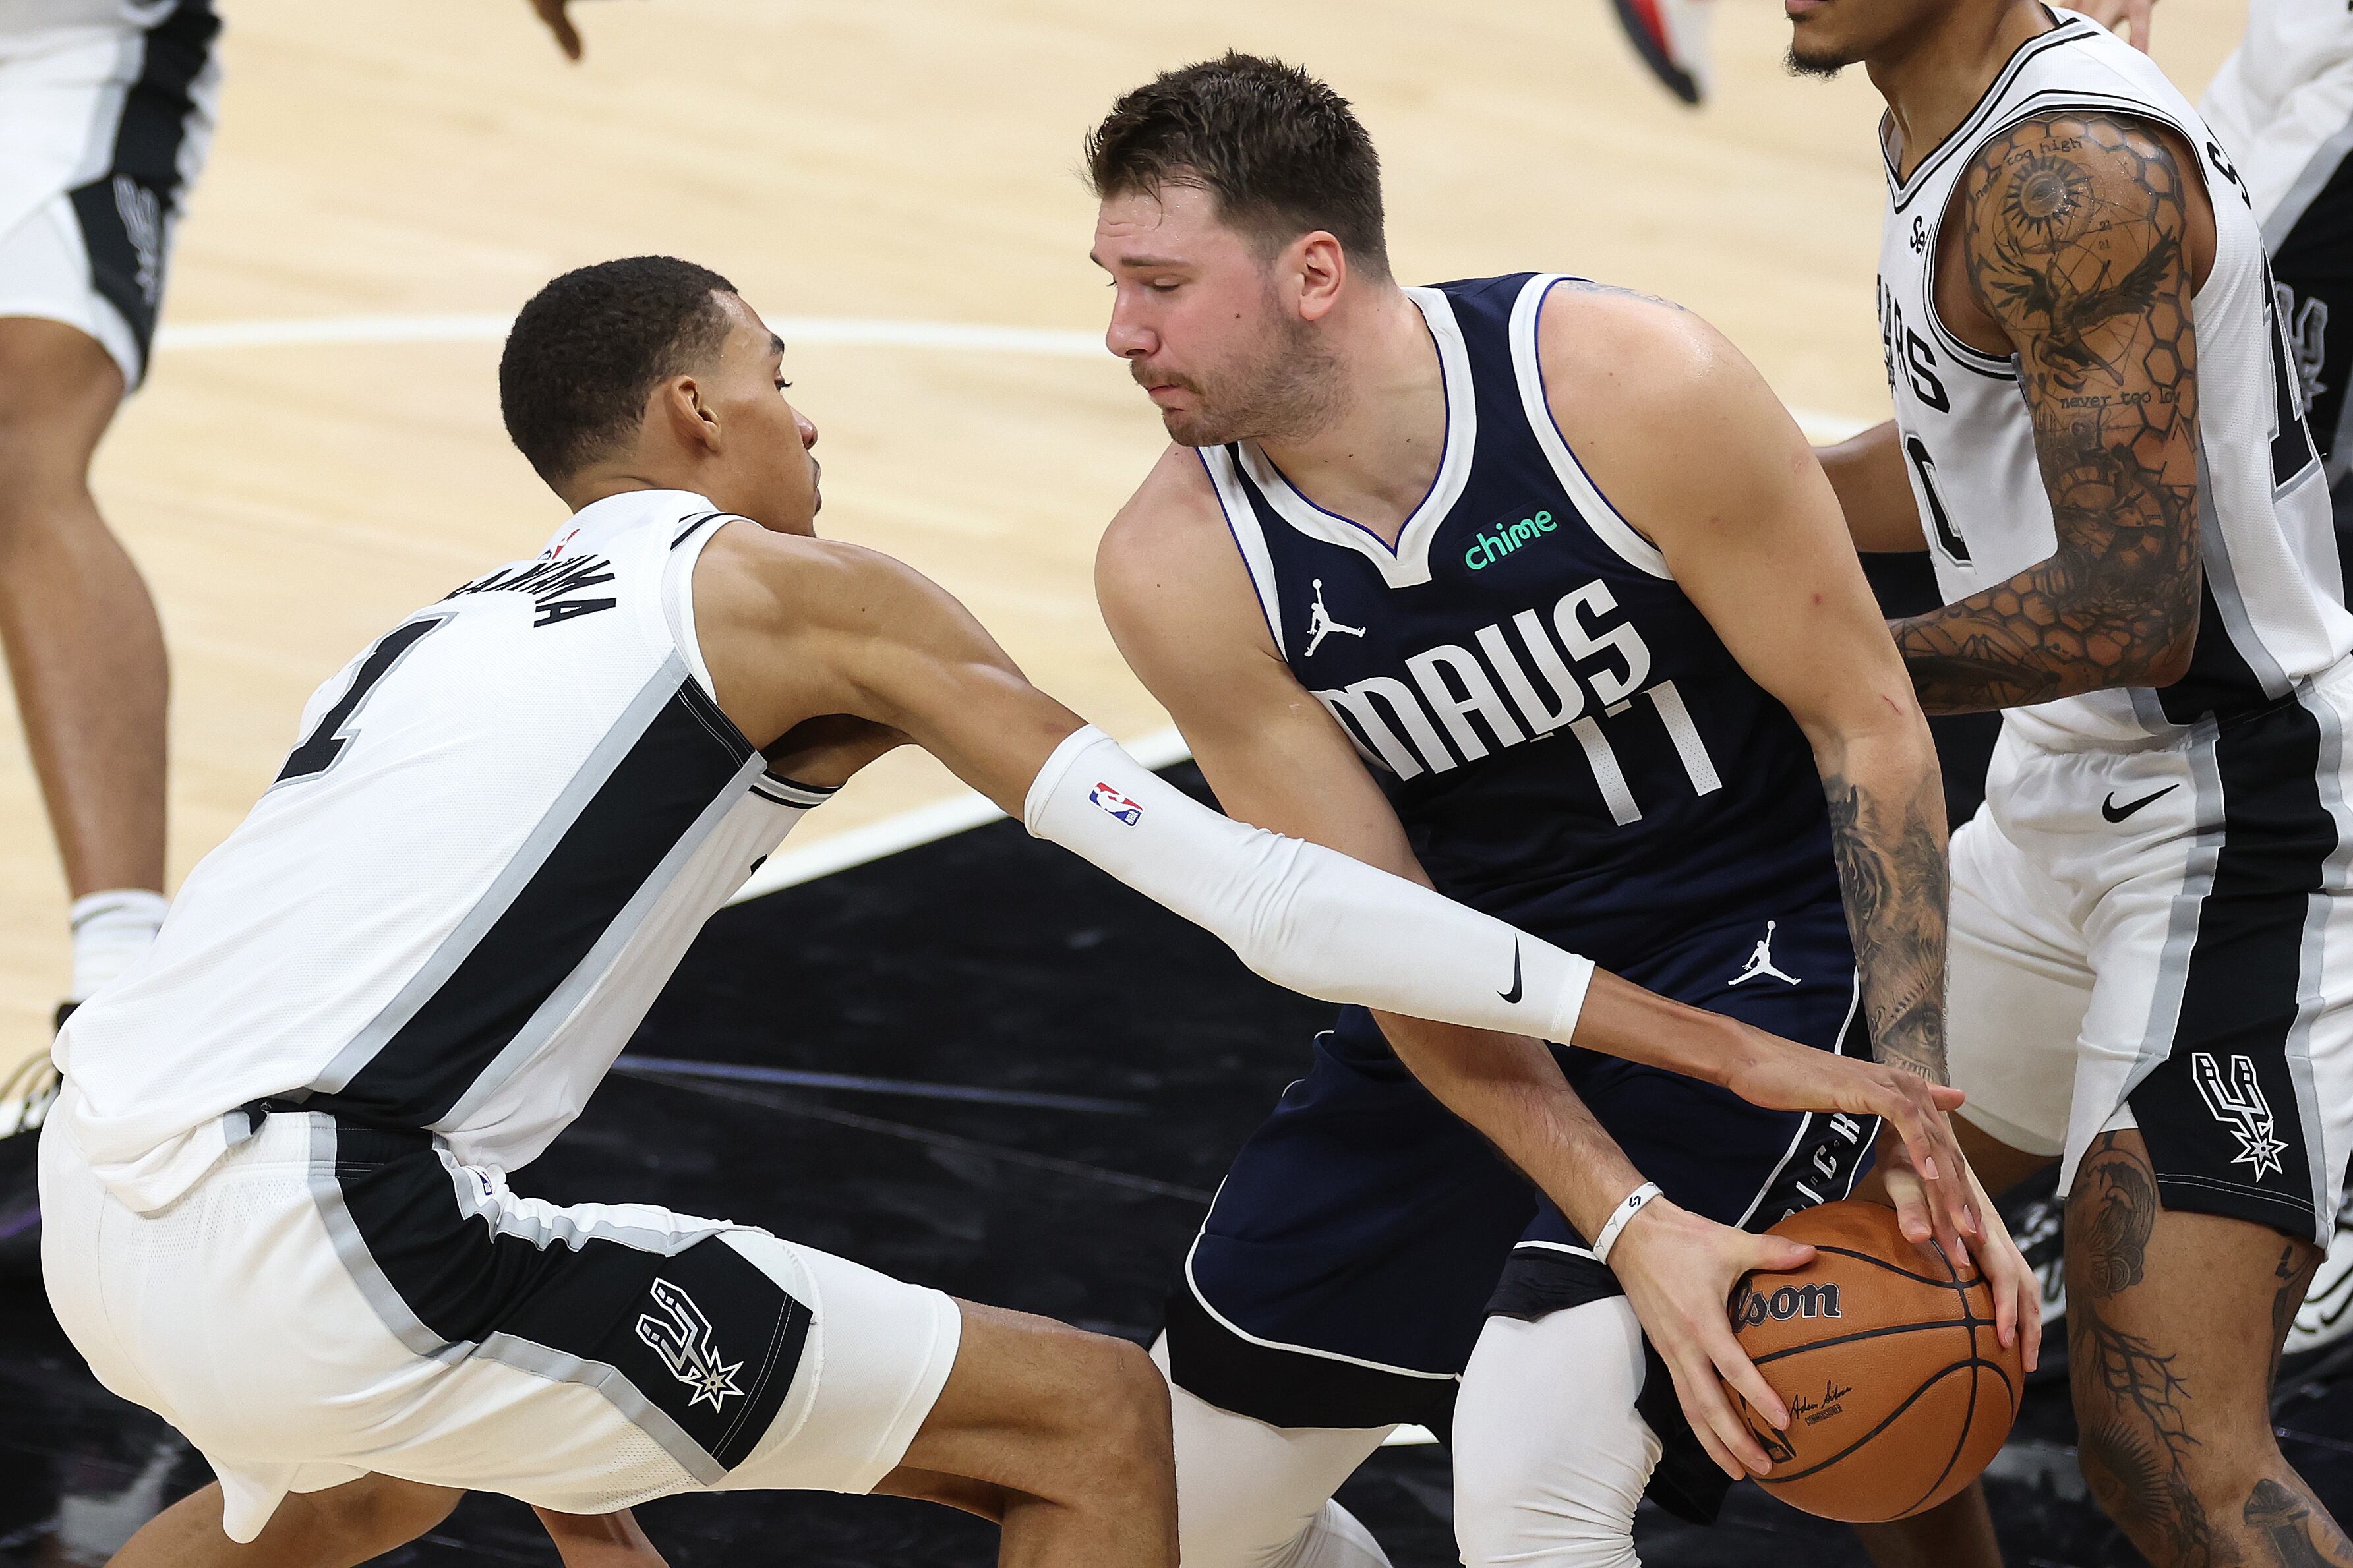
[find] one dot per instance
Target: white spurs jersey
(27, 20)
(2272, 614)
(2286, 92)
(501, 826)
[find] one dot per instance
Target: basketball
(1899, 1393)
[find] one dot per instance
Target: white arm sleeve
(1303, 916)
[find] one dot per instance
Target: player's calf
(2175, 1320)
(84, 648)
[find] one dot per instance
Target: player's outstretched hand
(567, 36)
(2108, 13)
(1678, 1270)
(1780, 1074)
(2017, 1294)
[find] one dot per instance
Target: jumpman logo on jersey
(1761, 960)
(1320, 624)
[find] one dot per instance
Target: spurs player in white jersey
(277, 1176)
(2282, 107)
(2098, 435)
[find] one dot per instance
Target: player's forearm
(1303, 916)
(1866, 473)
(1512, 1092)
(1887, 837)
(2118, 608)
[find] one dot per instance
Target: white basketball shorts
(2163, 938)
(332, 1301)
(103, 130)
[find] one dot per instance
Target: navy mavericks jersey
(1569, 745)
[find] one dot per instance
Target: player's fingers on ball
(1777, 1255)
(1911, 1201)
(1731, 1363)
(1695, 1386)
(2005, 1305)
(1732, 1434)
(1708, 1440)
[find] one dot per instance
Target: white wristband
(1633, 1203)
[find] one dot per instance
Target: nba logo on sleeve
(1116, 803)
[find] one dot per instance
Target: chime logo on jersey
(681, 1337)
(2239, 1104)
(1116, 804)
(1501, 539)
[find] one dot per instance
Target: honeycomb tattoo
(2074, 241)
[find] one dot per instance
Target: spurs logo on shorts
(683, 1339)
(2240, 1105)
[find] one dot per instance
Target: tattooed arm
(2077, 245)
(1754, 537)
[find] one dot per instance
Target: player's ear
(682, 402)
(1320, 269)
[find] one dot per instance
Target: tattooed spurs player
(2099, 437)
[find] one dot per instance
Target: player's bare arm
(2079, 252)
(1172, 590)
(827, 654)
(1754, 538)
(1866, 473)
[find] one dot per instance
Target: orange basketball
(1899, 1393)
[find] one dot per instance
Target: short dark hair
(1283, 152)
(584, 354)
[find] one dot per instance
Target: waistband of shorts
(271, 1131)
(2335, 682)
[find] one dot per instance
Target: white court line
(328, 332)
(926, 823)
(332, 332)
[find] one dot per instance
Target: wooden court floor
(383, 169)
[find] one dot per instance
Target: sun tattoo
(2047, 197)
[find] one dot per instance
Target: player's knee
(1510, 1505)
(2163, 1495)
(57, 392)
(1112, 1422)
(1135, 1418)
(1544, 1478)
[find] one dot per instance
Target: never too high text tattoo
(2075, 241)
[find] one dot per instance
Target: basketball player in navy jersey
(2100, 438)
(1527, 588)
(285, 1140)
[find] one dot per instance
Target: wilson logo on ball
(1750, 1308)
